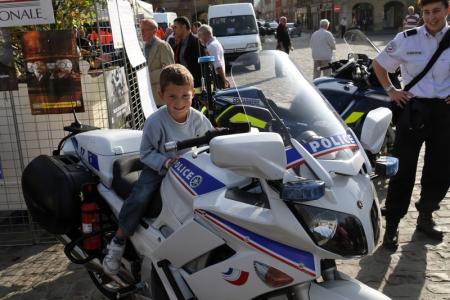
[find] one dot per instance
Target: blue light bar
(303, 190)
(386, 166)
(206, 59)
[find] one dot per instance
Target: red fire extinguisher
(90, 220)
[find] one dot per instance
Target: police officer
(424, 117)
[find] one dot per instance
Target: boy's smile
(178, 99)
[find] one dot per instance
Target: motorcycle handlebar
(202, 140)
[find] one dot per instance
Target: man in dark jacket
(188, 49)
(284, 41)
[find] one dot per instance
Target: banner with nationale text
(25, 12)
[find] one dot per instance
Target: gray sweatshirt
(161, 128)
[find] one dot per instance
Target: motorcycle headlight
(333, 231)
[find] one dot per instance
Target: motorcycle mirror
(303, 190)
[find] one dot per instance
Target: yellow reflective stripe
(224, 112)
(354, 117)
(198, 90)
(240, 117)
(203, 110)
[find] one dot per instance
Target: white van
(164, 20)
(235, 27)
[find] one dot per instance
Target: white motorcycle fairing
(224, 222)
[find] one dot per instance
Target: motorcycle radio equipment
(90, 219)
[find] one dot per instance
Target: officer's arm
(382, 74)
(400, 97)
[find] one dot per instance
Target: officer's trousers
(435, 180)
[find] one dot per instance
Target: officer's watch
(389, 88)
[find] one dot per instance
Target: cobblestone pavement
(420, 269)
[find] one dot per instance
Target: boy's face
(178, 99)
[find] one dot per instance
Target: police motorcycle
(353, 88)
(250, 212)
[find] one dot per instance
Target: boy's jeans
(137, 202)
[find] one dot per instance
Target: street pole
(332, 16)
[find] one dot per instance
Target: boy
(173, 122)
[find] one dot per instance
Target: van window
(233, 25)
(163, 25)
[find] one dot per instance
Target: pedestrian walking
(322, 44)
(424, 118)
(283, 44)
(188, 48)
(214, 48)
(158, 54)
(411, 20)
(283, 39)
(344, 25)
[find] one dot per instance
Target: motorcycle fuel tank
(338, 92)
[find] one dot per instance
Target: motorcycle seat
(126, 171)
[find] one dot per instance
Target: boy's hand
(169, 162)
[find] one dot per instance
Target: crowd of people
(182, 43)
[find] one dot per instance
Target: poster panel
(145, 92)
(8, 78)
(53, 74)
(117, 95)
(25, 12)
(115, 24)
(132, 47)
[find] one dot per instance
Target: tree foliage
(74, 13)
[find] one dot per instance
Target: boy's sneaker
(111, 262)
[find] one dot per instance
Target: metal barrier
(24, 136)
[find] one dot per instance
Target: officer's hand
(400, 97)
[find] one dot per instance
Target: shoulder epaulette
(409, 32)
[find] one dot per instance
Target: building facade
(369, 15)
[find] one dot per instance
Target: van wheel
(258, 66)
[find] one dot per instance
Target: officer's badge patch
(390, 47)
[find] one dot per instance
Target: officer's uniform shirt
(412, 50)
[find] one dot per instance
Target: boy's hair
(197, 24)
(184, 21)
(176, 74)
(422, 3)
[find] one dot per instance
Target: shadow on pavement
(12, 255)
(374, 268)
(408, 277)
(74, 284)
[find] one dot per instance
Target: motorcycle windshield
(269, 80)
(359, 43)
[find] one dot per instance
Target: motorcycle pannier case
(51, 187)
